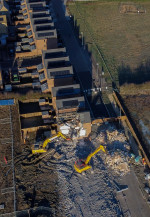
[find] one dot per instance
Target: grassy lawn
(123, 38)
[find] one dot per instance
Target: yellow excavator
(83, 165)
(37, 149)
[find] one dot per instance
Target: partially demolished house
(49, 68)
(56, 76)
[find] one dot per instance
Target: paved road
(132, 200)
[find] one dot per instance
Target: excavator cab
(38, 148)
(82, 165)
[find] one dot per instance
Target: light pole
(102, 70)
(97, 67)
(82, 38)
(97, 64)
(74, 20)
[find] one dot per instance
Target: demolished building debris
(118, 149)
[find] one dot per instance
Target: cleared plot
(8, 115)
(122, 37)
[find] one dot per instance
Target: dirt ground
(139, 108)
(8, 115)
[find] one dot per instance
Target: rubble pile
(117, 150)
(73, 128)
(118, 161)
(115, 135)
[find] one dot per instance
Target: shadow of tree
(137, 76)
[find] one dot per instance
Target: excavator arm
(81, 165)
(43, 148)
(59, 134)
(101, 147)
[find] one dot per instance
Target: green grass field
(123, 38)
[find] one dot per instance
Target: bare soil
(8, 115)
(139, 109)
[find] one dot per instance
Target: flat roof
(60, 72)
(41, 20)
(36, 5)
(43, 27)
(39, 14)
(29, 61)
(73, 102)
(52, 53)
(46, 34)
(57, 62)
(85, 117)
(66, 90)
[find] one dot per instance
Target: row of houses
(52, 73)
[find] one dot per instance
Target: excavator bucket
(80, 166)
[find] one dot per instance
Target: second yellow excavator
(82, 165)
(37, 149)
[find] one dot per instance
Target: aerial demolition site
(58, 157)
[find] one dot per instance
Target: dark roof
(58, 64)
(85, 117)
(46, 34)
(70, 102)
(66, 90)
(54, 53)
(30, 61)
(60, 72)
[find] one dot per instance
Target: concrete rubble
(117, 147)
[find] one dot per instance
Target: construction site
(72, 149)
